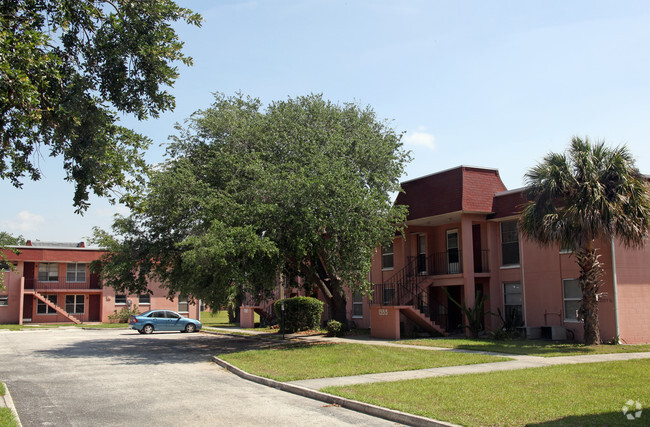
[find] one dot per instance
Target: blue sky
(485, 83)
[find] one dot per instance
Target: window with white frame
(4, 300)
(183, 305)
(48, 272)
(513, 303)
(357, 304)
(120, 299)
(144, 299)
(572, 296)
(42, 308)
(74, 304)
(75, 272)
(387, 260)
(509, 243)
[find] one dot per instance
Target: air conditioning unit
(555, 333)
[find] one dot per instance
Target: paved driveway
(76, 377)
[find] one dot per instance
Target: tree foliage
(67, 68)
(300, 189)
(7, 239)
(591, 193)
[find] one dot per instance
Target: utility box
(555, 333)
(531, 332)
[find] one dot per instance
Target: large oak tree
(68, 68)
(301, 189)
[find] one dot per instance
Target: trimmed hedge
(300, 313)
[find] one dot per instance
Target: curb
(9, 403)
(366, 408)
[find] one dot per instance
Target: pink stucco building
(462, 234)
(53, 284)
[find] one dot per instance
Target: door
(454, 314)
(476, 244)
(453, 256)
(28, 307)
(422, 254)
(159, 319)
(28, 274)
(93, 308)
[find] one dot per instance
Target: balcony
(451, 262)
(63, 284)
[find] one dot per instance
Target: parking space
(76, 377)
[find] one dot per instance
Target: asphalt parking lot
(117, 377)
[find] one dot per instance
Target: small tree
(591, 193)
(473, 314)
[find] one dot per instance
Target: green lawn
(528, 347)
(584, 394)
(6, 416)
(302, 361)
(219, 319)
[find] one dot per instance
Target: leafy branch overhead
(67, 69)
(303, 188)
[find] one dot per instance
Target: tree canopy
(302, 188)
(590, 194)
(67, 68)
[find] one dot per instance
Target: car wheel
(191, 327)
(147, 329)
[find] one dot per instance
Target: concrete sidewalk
(520, 362)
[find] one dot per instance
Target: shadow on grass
(606, 419)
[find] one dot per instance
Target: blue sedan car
(162, 320)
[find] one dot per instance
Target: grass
(303, 361)
(6, 416)
(528, 347)
(582, 394)
(219, 319)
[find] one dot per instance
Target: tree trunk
(590, 282)
(338, 305)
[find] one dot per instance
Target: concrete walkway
(518, 362)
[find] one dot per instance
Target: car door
(160, 321)
(175, 321)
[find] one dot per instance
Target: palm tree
(589, 194)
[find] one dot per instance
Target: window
(357, 304)
(183, 305)
(42, 308)
(509, 243)
(453, 253)
(75, 272)
(144, 299)
(422, 254)
(387, 261)
(4, 300)
(572, 299)
(120, 299)
(74, 304)
(513, 303)
(172, 315)
(48, 272)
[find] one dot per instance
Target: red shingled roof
(463, 188)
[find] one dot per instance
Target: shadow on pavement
(159, 348)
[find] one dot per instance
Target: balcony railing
(450, 262)
(62, 283)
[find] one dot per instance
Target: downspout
(614, 291)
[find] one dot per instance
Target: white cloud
(420, 138)
(24, 222)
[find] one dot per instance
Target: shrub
(300, 313)
(123, 315)
(335, 329)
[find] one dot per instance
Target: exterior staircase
(403, 291)
(55, 307)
